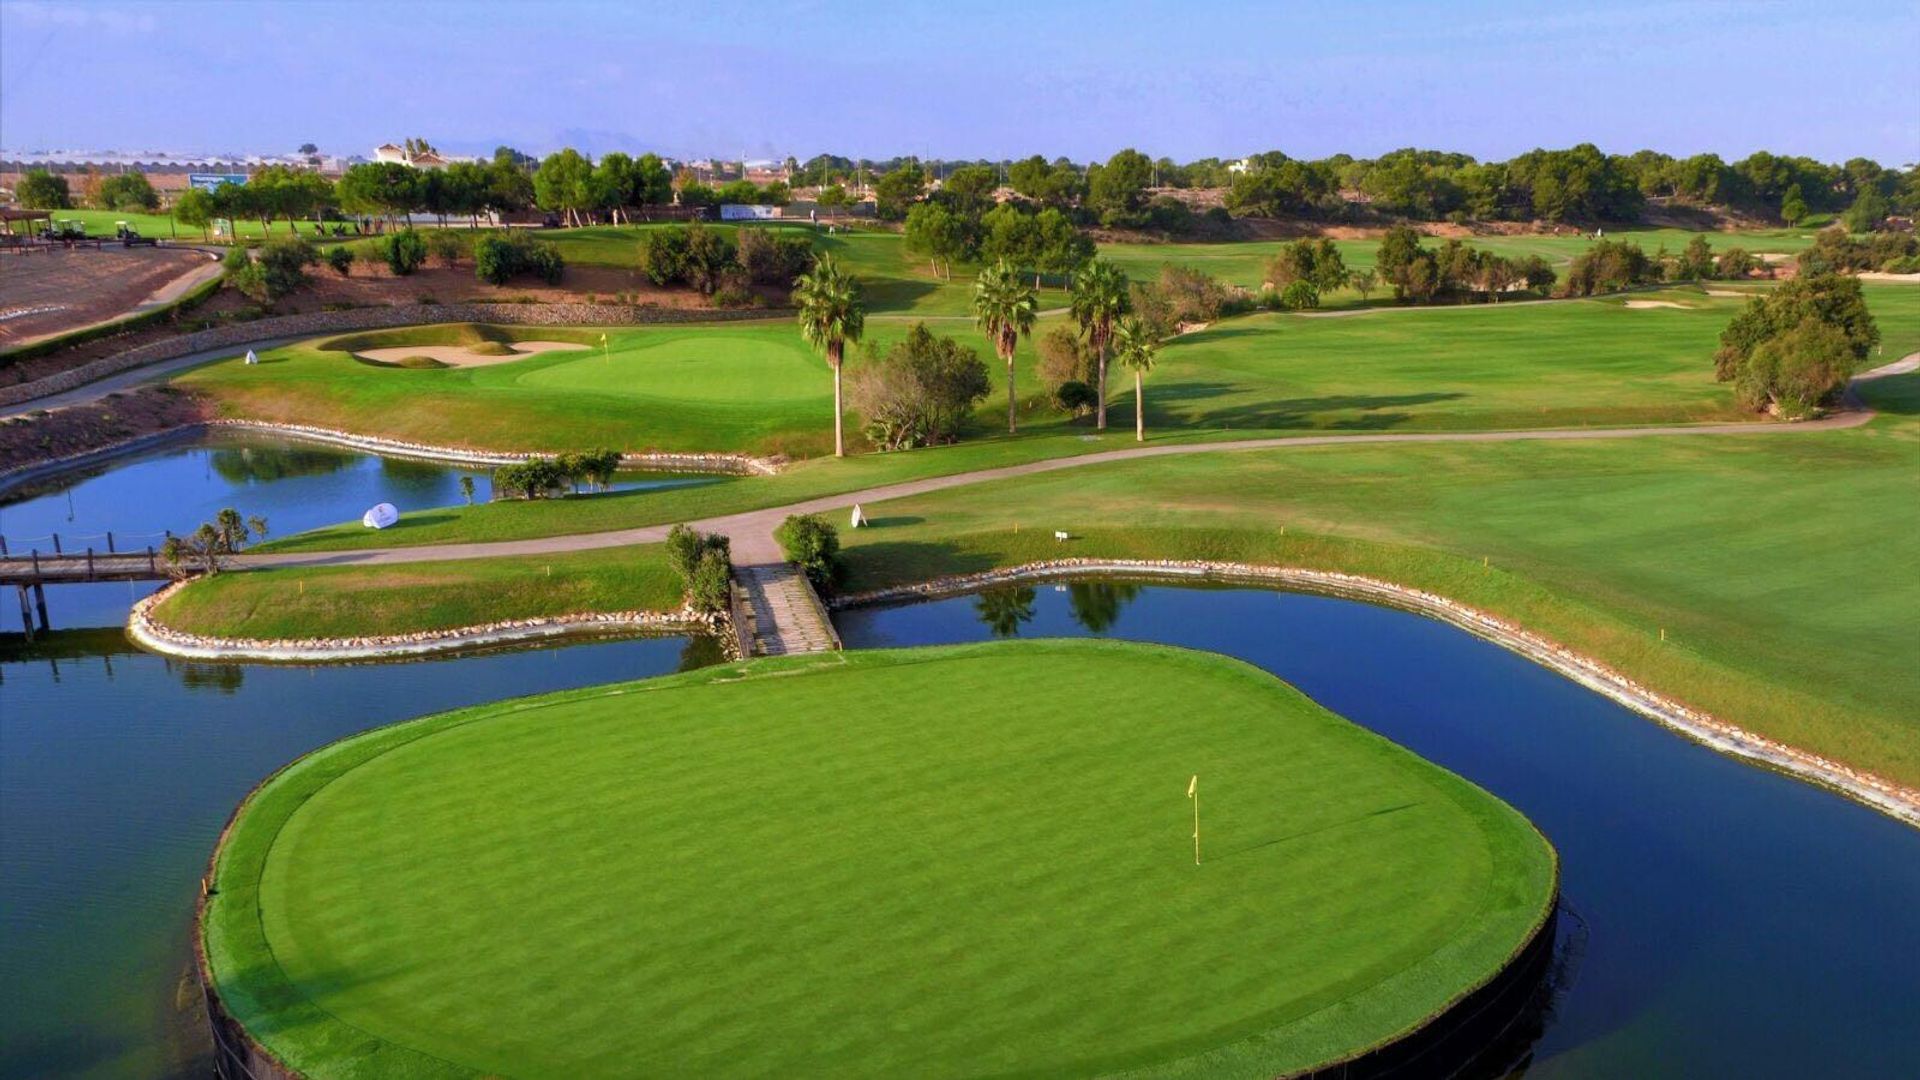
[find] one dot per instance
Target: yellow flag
(603, 339)
(1193, 785)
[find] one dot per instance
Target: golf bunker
(942, 862)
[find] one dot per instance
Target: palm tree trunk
(839, 444)
(1013, 427)
(1139, 410)
(1100, 407)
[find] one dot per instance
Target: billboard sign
(205, 181)
(747, 212)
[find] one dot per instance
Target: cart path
(751, 531)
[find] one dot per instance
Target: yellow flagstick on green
(1193, 792)
(604, 352)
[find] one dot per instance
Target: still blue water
(295, 486)
(1739, 923)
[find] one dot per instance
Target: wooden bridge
(33, 572)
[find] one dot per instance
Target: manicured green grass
(758, 388)
(777, 869)
(354, 601)
(1780, 566)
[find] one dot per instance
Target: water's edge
(1895, 800)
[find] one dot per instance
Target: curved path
(752, 531)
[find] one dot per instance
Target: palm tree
(832, 314)
(1135, 347)
(1004, 306)
(1099, 299)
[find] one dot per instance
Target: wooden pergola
(11, 214)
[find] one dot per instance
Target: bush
(1832, 299)
(1075, 398)
(711, 585)
(403, 252)
(530, 479)
(235, 260)
(1064, 358)
(1609, 266)
(283, 262)
(774, 258)
(1179, 296)
(340, 257)
(1299, 296)
(499, 258)
(663, 255)
(813, 544)
(1794, 372)
(704, 563)
(922, 392)
(445, 247)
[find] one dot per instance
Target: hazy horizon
(990, 81)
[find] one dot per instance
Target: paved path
(751, 531)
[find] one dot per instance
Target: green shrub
(1299, 295)
(445, 248)
(283, 262)
(403, 252)
(811, 543)
(497, 259)
(340, 258)
(1075, 398)
(711, 584)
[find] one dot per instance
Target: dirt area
(43, 436)
(1656, 304)
(462, 356)
(371, 283)
(54, 291)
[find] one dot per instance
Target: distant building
(1240, 166)
(425, 159)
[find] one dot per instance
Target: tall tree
(1136, 348)
(1004, 307)
(832, 314)
(195, 209)
(564, 182)
(1100, 298)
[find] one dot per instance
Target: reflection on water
(295, 486)
(265, 463)
(1005, 609)
(117, 771)
(1730, 921)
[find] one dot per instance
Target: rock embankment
(147, 631)
(1882, 794)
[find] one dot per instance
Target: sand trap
(1881, 275)
(462, 356)
(1729, 294)
(1656, 303)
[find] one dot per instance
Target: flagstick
(1193, 792)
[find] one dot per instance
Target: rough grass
(775, 869)
(352, 601)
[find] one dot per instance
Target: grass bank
(364, 601)
(772, 868)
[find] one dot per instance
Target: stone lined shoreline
(1879, 793)
(153, 635)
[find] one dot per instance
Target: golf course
(788, 867)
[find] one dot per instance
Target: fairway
(804, 868)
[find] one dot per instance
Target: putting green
(944, 862)
(718, 365)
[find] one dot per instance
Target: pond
(296, 486)
(1735, 922)
(120, 768)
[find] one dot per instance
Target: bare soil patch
(52, 292)
(44, 436)
(465, 356)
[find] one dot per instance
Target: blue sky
(980, 79)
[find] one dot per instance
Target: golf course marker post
(1193, 792)
(605, 354)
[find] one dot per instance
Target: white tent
(380, 516)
